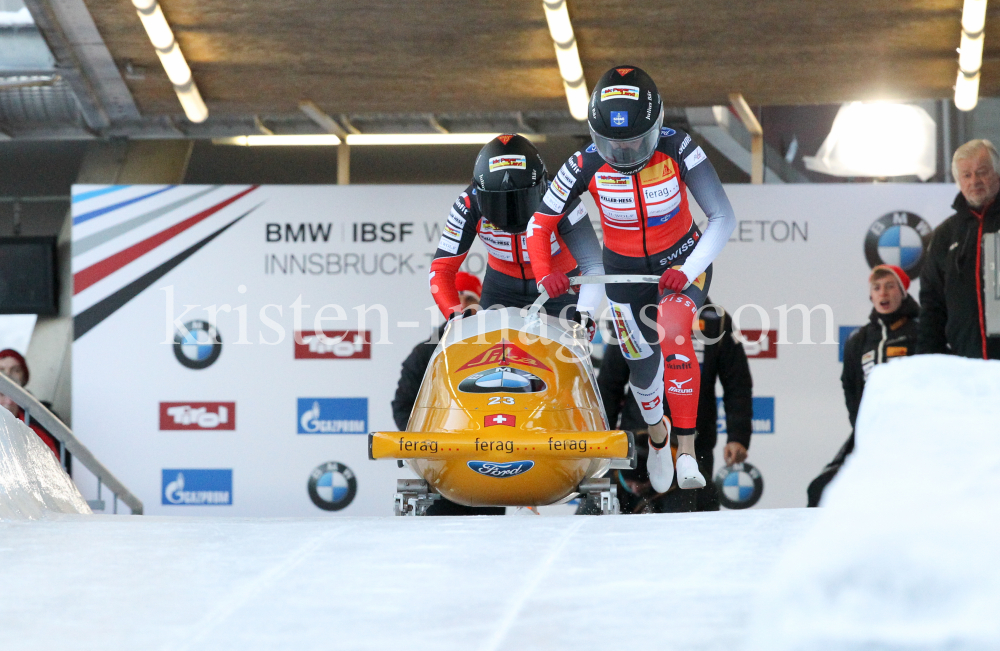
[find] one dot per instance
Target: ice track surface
(662, 581)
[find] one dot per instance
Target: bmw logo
(199, 347)
(740, 486)
(898, 238)
(332, 486)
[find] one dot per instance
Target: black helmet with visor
(626, 114)
(510, 181)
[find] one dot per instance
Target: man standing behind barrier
(957, 314)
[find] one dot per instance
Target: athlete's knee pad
(650, 398)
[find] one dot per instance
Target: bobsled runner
(509, 414)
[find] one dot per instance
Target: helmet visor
(510, 210)
(631, 152)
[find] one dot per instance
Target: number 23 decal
(497, 400)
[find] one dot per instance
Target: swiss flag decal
(499, 419)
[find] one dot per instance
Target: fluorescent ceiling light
(970, 54)
(361, 139)
(966, 91)
(974, 16)
(172, 59)
(878, 140)
(568, 57)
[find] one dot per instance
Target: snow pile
(904, 554)
(31, 482)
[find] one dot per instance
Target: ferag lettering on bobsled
(509, 414)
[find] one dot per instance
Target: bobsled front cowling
(508, 414)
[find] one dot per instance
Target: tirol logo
(739, 486)
(502, 380)
(504, 139)
(197, 345)
(197, 487)
(503, 354)
(336, 344)
(898, 238)
(623, 71)
(508, 162)
(614, 92)
(501, 470)
(197, 415)
(759, 344)
(332, 486)
(333, 415)
(619, 118)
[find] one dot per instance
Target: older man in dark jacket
(952, 297)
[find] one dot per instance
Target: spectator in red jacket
(12, 365)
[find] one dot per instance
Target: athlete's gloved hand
(589, 325)
(674, 280)
(555, 284)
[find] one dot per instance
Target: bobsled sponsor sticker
(695, 158)
(502, 380)
(614, 92)
(508, 162)
(503, 353)
(613, 181)
(501, 470)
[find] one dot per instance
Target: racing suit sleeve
(456, 239)
(564, 189)
(700, 177)
(577, 231)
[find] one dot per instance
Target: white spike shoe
(660, 464)
(688, 475)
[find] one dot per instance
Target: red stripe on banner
(101, 270)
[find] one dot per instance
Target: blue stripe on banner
(103, 211)
(83, 196)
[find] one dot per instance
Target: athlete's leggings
(654, 333)
(507, 291)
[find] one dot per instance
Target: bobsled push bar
(616, 445)
(594, 280)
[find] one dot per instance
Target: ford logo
(493, 469)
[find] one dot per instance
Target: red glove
(555, 284)
(674, 280)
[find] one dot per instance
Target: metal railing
(36, 411)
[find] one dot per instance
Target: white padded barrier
(903, 555)
(32, 483)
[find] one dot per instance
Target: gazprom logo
(197, 487)
(501, 470)
(333, 415)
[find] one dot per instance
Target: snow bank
(904, 553)
(31, 482)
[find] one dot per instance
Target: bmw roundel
(332, 486)
(197, 345)
(740, 486)
(502, 380)
(898, 238)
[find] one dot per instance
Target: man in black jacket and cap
(952, 296)
(891, 333)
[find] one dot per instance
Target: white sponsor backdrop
(135, 247)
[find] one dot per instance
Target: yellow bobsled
(508, 414)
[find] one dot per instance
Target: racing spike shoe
(688, 475)
(660, 463)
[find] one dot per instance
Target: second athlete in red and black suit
(509, 180)
(638, 173)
